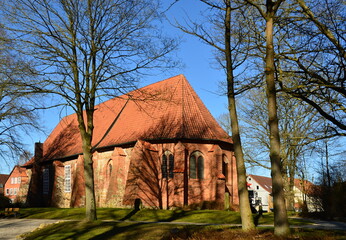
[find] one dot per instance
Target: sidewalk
(11, 228)
(321, 224)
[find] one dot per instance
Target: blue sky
(196, 59)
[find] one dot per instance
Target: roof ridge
(168, 109)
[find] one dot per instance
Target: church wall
(124, 175)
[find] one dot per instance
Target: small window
(110, 169)
(7, 191)
(67, 170)
(257, 187)
(171, 165)
(19, 180)
(193, 174)
(196, 166)
(225, 167)
(167, 165)
(164, 166)
(15, 191)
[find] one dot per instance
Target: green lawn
(130, 229)
(151, 215)
(79, 230)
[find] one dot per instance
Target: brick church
(158, 144)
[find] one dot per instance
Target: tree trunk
(86, 135)
(281, 226)
(245, 210)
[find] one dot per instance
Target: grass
(150, 215)
(115, 228)
(133, 231)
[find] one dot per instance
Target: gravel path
(11, 228)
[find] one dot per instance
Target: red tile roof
(306, 186)
(264, 182)
(3, 178)
(169, 109)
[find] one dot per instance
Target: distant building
(3, 179)
(159, 144)
(260, 189)
(260, 193)
(15, 186)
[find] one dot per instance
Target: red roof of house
(306, 186)
(3, 178)
(264, 182)
(169, 109)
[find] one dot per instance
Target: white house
(260, 188)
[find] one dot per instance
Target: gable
(165, 110)
(264, 182)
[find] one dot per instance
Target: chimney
(38, 151)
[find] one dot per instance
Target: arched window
(196, 165)
(164, 166)
(110, 168)
(171, 166)
(225, 167)
(167, 165)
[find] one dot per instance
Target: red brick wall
(123, 175)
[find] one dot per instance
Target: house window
(257, 187)
(167, 165)
(67, 170)
(13, 180)
(7, 191)
(11, 191)
(196, 165)
(15, 191)
(45, 176)
(19, 179)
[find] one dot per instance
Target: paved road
(320, 224)
(11, 228)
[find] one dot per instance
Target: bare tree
(86, 49)
(225, 35)
(315, 58)
(297, 125)
(17, 115)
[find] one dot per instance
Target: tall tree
(268, 12)
(226, 36)
(86, 49)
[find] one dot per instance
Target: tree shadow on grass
(129, 231)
